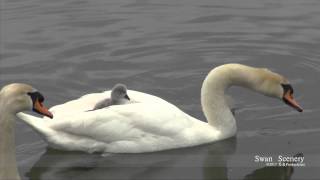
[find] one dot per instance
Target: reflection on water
(68, 48)
(204, 162)
(267, 173)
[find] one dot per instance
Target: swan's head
(21, 97)
(119, 92)
(275, 85)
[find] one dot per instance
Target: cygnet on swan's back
(118, 96)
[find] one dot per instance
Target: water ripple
(68, 48)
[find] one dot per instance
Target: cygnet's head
(19, 97)
(275, 85)
(119, 92)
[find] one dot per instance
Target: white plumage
(152, 124)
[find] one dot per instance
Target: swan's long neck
(213, 99)
(8, 167)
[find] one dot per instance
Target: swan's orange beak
(288, 99)
(41, 109)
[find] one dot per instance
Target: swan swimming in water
(13, 99)
(154, 124)
(118, 96)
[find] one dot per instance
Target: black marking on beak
(36, 96)
(37, 106)
(286, 88)
(288, 97)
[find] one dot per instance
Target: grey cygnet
(118, 96)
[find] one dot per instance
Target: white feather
(151, 123)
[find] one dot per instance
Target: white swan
(155, 124)
(15, 98)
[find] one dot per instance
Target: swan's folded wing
(88, 102)
(81, 104)
(125, 122)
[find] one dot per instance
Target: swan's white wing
(136, 127)
(148, 124)
(116, 122)
(87, 102)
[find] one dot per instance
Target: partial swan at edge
(13, 99)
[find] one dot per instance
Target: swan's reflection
(276, 173)
(184, 163)
(202, 162)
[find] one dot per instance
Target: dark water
(68, 48)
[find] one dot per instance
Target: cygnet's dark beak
(127, 97)
(38, 107)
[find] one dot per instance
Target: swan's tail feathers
(38, 124)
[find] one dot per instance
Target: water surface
(68, 48)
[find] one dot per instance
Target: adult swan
(15, 98)
(153, 124)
